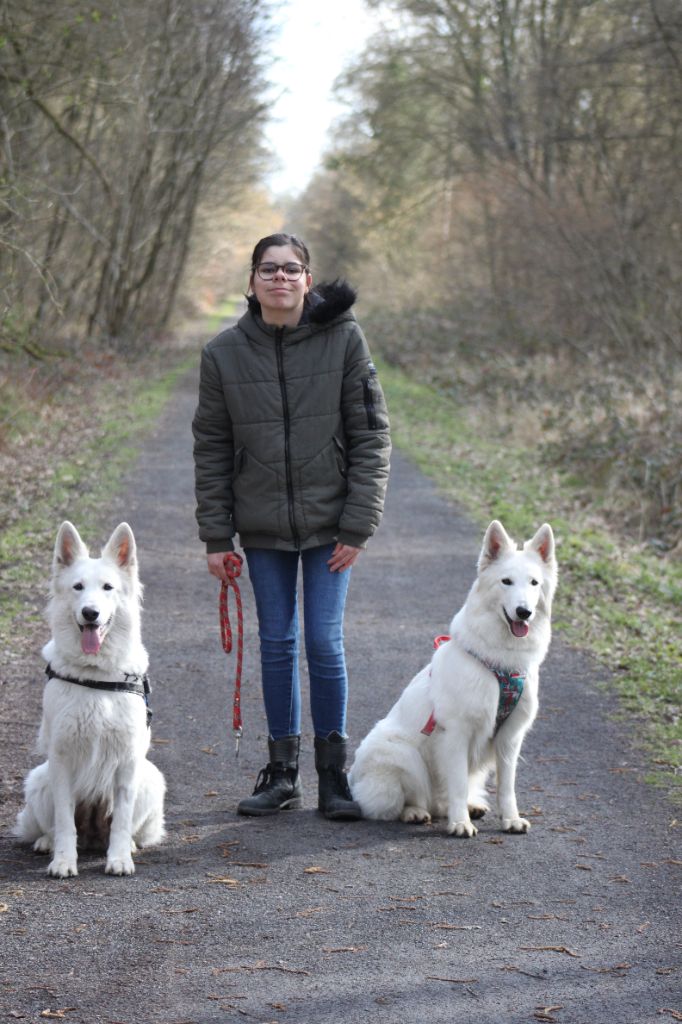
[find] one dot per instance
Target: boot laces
(263, 780)
(268, 776)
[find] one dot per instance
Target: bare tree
(113, 123)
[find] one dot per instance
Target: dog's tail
(388, 778)
(35, 819)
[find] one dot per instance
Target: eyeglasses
(292, 271)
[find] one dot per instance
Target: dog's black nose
(523, 613)
(90, 614)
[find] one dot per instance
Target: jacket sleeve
(366, 426)
(213, 460)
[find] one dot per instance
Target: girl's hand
(216, 565)
(343, 556)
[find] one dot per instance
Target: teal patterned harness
(511, 689)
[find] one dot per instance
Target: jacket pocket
(257, 493)
(238, 463)
(321, 488)
(340, 457)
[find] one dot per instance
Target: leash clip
(238, 733)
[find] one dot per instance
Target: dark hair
(300, 248)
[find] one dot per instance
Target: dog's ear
(495, 542)
(120, 548)
(68, 546)
(543, 544)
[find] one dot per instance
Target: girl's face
(281, 299)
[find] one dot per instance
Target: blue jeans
(274, 579)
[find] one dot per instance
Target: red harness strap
(233, 568)
(432, 723)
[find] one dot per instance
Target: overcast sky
(315, 41)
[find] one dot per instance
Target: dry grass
(612, 429)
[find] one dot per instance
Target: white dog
(470, 708)
(96, 784)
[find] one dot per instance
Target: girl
(292, 453)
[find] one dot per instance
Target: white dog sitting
(96, 786)
(470, 708)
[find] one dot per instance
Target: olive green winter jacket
(291, 431)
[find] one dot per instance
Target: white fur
(95, 742)
(399, 772)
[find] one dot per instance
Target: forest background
(505, 191)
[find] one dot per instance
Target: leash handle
(233, 567)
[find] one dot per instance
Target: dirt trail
(296, 919)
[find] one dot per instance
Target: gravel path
(296, 919)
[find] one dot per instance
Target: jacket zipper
(370, 408)
(279, 334)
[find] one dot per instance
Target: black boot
(335, 799)
(278, 787)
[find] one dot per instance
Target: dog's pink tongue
(520, 629)
(90, 640)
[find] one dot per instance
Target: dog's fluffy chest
(92, 726)
(466, 691)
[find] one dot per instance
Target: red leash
(233, 568)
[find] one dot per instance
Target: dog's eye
(107, 586)
(78, 586)
(507, 582)
(534, 583)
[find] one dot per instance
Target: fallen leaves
(544, 1013)
(617, 969)
(315, 870)
(452, 981)
(547, 917)
(526, 974)
(457, 927)
(344, 949)
(260, 965)
(550, 949)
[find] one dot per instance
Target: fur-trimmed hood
(323, 304)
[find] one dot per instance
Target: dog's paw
(415, 816)
(120, 866)
(476, 811)
(43, 845)
(462, 829)
(62, 867)
(515, 826)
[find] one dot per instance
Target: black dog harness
(132, 684)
